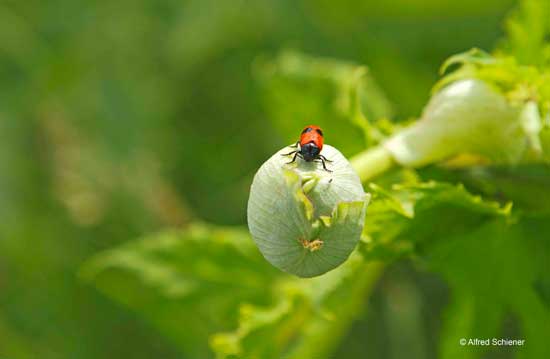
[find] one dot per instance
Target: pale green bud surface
(467, 116)
(305, 220)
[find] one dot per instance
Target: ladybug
(309, 147)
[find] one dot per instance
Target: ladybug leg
(290, 153)
(295, 145)
(324, 158)
(296, 153)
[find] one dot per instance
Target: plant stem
(372, 162)
(322, 335)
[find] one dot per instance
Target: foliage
(187, 284)
(449, 231)
(130, 135)
(354, 100)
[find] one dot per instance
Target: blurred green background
(119, 119)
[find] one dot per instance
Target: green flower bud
(305, 220)
(467, 116)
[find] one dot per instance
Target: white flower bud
(468, 116)
(305, 220)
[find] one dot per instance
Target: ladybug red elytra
(310, 146)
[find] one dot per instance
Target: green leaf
(307, 321)
(525, 185)
(473, 56)
(265, 332)
(401, 218)
(188, 283)
(493, 273)
(15, 345)
(495, 264)
(528, 29)
(209, 281)
(342, 97)
(311, 315)
(203, 280)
